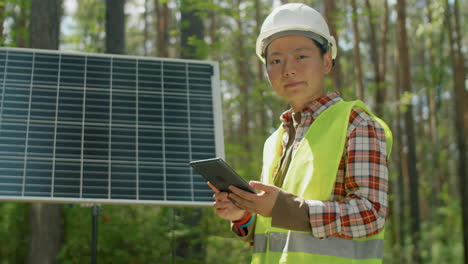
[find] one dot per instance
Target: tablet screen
(220, 174)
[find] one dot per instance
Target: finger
(242, 193)
(242, 203)
(215, 197)
(220, 196)
(261, 186)
(212, 187)
(223, 204)
(235, 204)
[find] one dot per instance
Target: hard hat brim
(265, 38)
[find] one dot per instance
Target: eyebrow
(295, 50)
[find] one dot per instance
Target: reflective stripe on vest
(303, 242)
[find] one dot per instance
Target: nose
(289, 68)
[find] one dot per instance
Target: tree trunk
(258, 26)
(2, 19)
(244, 81)
(330, 15)
(461, 70)
(44, 219)
(399, 160)
(146, 28)
(44, 24)
(189, 246)
(374, 52)
(430, 93)
(191, 26)
(115, 26)
(262, 106)
(433, 152)
(21, 37)
(162, 23)
(213, 27)
(404, 62)
(357, 52)
(458, 69)
(46, 233)
(383, 58)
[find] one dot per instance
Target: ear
(327, 62)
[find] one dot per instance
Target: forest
(403, 58)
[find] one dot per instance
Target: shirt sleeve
(245, 233)
(363, 209)
(290, 212)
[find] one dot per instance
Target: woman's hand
(260, 203)
(224, 207)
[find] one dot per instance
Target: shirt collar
(314, 108)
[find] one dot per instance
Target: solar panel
(98, 128)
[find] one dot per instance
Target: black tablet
(220, 174)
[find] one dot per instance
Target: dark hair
(323, 49)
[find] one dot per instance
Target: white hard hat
(294, 19)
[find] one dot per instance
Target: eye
(302, 57)
(275, 61)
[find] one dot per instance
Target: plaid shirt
(359, 201)
(358, 205)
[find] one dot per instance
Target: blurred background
(405, 59)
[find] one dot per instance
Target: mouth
(292, 84)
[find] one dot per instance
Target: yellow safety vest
(312, 175)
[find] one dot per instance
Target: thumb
(261, 186)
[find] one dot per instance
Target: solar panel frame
(57, 113)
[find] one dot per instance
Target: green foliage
(16, 21)
(440, 247)
(202, 49)
(126, 234)
(227, 250)
(146, 234)
(405, 101)
(14, 227)
(89, 28)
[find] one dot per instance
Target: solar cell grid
(102, 128)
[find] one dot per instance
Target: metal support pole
(96, 210)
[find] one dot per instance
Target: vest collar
(312, 109)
